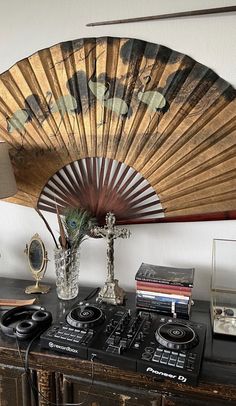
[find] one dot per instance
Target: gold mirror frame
(38, 273)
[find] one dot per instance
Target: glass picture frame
(223, 287)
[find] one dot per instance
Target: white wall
(29, 25)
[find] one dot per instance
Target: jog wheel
(86, 316)
(176, 336)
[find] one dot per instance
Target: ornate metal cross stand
(111, 292)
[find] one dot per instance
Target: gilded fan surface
(121, 124)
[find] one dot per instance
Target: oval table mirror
(37, 258)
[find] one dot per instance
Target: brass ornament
(111, 292)
(37, 260)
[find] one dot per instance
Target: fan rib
(145, 214)
(134, 74)
(208, 143)
(205, 185)
(60, 191)
(33, 84)
(134, 186)
(9, 86)
(91, 184)
(167, 135)
(201, 169)
(65, 182)
(138, 209)
(145, 197)
(50, 197)
(122, 177)
(114, 123)
(194, 204)
(98, 189)
(116, 173)
(181, 142)
(148, 131)
(46, 60)
(78, 177)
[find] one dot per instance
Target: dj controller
(142, 341)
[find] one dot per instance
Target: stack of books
(164, 289)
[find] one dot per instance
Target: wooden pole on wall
(191, 13)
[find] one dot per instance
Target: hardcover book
(165, 275)
(161, 297)
(166, 306)
(158, 287)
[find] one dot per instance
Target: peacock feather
(77, 223)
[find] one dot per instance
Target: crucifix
(111, 292)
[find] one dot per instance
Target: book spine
(168, 289)
(164, 282)
(161, 296)
(162, 309)
(157, 286)
(158, 305)
(168, 305)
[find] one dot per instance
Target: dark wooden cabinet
(14, 387)
(100, 394)
(61, 379)
(191, 401)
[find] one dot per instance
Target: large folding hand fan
(121, 125)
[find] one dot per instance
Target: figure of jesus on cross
(111, 292)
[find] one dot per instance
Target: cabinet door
(193, 401)
(14, 387)
(76, 390)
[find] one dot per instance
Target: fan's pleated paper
(107, 102)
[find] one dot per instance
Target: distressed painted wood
(14, 387)
(100, 394)
(46, 387)
(170, 118)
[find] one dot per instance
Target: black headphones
(25, 322)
